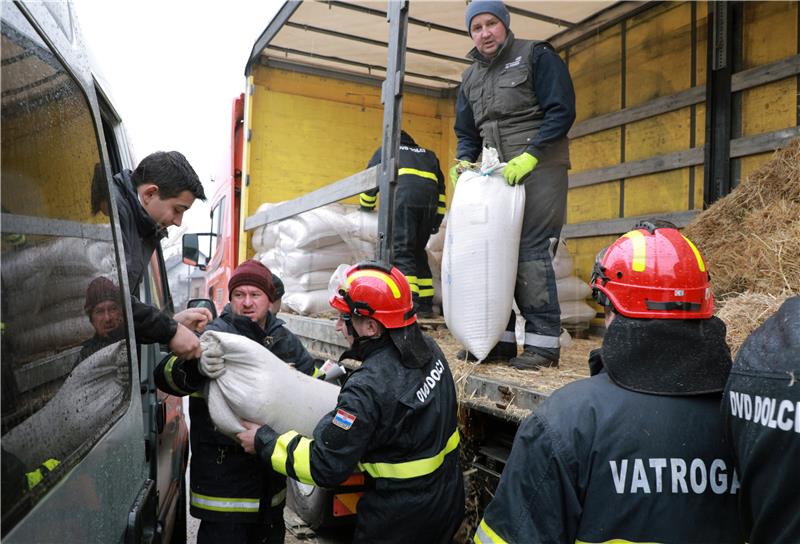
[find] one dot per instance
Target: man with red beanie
(103, 306)
(236, 498)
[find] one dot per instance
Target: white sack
(307, 302)
(576, 312)
(86, 400)
(259, 387)
(316, 228)
(310, 281)
(479, 264)
(436, 241)
(364, 225)
(298, 262)
(572, 288)
(562, 264)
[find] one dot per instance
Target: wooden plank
(767, 73)
(623, 224)
(760, 143)
(511, 401)
(347, 187)
(661, 163)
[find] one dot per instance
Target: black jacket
(418, 169)
(762, 417)
(141, 236)
(387, 416)
(598, 461)
(222, 473)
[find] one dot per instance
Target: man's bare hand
(185, 344)
(195, 319)
(248, 438)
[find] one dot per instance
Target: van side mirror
(191, 252)
(203, 303)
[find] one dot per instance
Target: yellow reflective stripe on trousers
(302, 461)
(279, 454)
(368, 198)
(486, 535)
(614, 541)
(415, 172)
(168, 375)
(425, 287)
(442, 204)
(224, 504)
(411, 469)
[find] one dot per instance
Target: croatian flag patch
(343, 420)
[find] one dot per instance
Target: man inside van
(104, 309)
(150, 199)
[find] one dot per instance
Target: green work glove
(457, 170)
(519, 167)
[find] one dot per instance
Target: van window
(66, 372)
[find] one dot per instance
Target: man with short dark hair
(104, 308)
(636, 453)
(518, 98)
(236, 498)
(150, 199)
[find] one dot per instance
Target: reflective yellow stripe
(315, 373)
(168, 375)
(376, 274)
(700, 262)
(613, 541)
(368, 198)
(414, 288)
(302, 461)
(224, 504)
(639, 250)
(280, 455)
(411, 469)
(425, 282)
(440, 210)
(34, 477)
(486, 535)
(425, 292)
(415, 172)
(411, 279)
(442, 198)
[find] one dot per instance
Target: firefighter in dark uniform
(395, 419)
(419, 210)
(236, 497)
(637, 452)
(518, 98)
(762, 419)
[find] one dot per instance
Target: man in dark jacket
(635, 453)
(235, 496)
(104, 308)
(419, 210)
(148, 200)
(762, 419)
(517, 97)
(395, 419)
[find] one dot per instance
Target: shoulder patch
(343, 420)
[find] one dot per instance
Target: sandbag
(321, 227)
(298, 262)
(572, 288)
(85, 402)
(259, 387)
(576, 312)
(310, 281)
(562, 263)
(307, 302)
(479, 263)
(364, 225)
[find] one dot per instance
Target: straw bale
(746, 312)
(751, 238)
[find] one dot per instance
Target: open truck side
(677, 102)
(91, 451)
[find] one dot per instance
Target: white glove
(212, 363)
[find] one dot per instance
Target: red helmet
(371, 289)
(653, 273)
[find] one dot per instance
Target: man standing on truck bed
(419, 210)
(517, 97)
(235, 496)
(636, 453)
(395, 419)
(150, 199)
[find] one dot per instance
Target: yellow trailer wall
(309, 131)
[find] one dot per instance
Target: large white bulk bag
(479, 263)
(259, 387)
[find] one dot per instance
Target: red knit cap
(254, 274)
(100, 290)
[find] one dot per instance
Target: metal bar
(356, 63)
(286, 11)
(541, 17)
(411, 20)
(46, 370)
(392, 98)
(595, 24)
(42, 226)
(345, 188)
(377, 43)
(622, 225)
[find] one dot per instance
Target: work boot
(424, 311)
(530, 360)
(502, 352)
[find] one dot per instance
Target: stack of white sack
(305, 250)
(45, 290)
(576, 313)
(257, 386)
(481, 249)
(435, 250)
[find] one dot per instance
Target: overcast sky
(173, 68)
